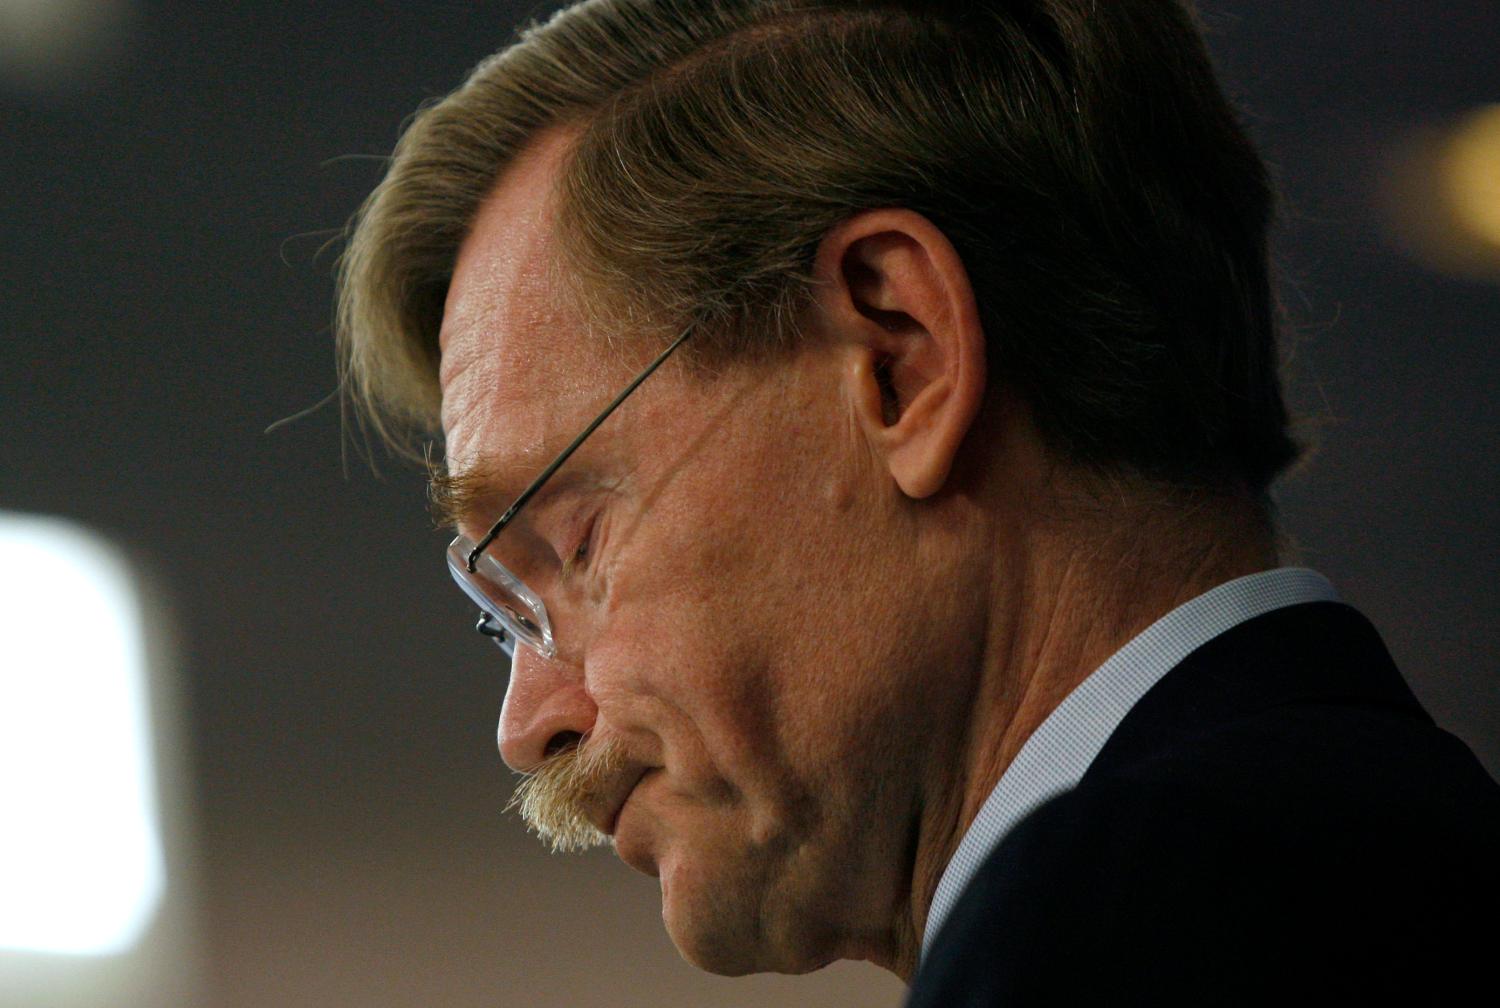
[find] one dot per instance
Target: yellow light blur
(1471, 174)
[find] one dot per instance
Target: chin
(724, 927)
(709, 921)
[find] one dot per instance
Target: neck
(1064, 596)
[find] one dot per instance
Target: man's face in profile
(729, 624)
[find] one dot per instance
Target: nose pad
(546, 709)
(490, 627)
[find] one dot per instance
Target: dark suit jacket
(1276, 821)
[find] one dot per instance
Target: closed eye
(578, 557)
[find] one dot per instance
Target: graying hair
(1079, 155)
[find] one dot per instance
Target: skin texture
(826, 599)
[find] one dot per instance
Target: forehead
(516, 372)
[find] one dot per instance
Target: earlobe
(938, 393)
(929, 435)
(897, 295)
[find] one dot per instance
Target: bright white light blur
(81, 865)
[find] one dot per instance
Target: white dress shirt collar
(1056, 755)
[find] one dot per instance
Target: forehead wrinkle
(509, 365)
(518, 376)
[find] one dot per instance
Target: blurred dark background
(170, 180)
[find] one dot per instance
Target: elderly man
(925, 604)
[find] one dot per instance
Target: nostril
(562, 741)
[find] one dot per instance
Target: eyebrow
(454, 497)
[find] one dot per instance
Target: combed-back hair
(1079, 154)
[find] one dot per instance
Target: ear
(894, 293)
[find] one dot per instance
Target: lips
(637, 846)
(611, 805)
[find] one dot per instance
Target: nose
(546, 708)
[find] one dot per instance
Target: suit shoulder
(1357, 833)
(1311, 768)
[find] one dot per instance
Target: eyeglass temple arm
(546, 473)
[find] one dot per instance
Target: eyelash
(579, 556)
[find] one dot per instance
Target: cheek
(690, 660)
(732, 590)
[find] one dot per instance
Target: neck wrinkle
(1100, 592)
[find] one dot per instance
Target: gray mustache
(554, 798)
